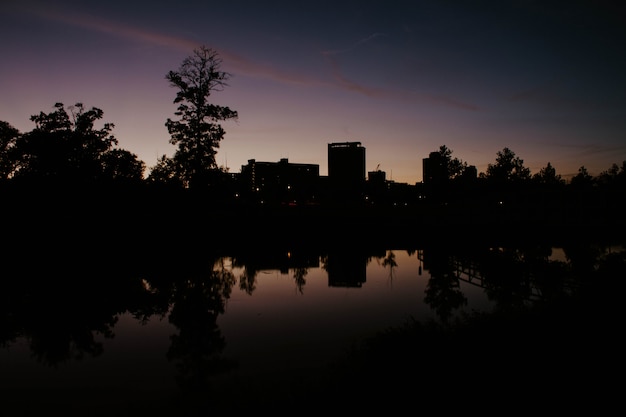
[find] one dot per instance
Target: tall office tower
(346, 170)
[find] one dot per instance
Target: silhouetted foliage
(197, 132)
(613, 177)
(582, 180)
(165, 172)
(454, 167)
(548, 176)
(67, 147)
(508, 167)
(8, 138)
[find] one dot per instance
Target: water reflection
(66, 306)
(347, 268)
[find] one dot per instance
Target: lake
(304, 329)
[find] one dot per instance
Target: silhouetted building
(376, 187)
(346, 170)
(434, 169)
(377, 177)
(280, 182)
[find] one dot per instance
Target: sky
(546, 79)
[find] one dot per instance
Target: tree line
(508, 167)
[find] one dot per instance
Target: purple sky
(543, 78)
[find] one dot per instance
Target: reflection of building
(280, 182)
(268, 259)
(346, 269)
(346, 170)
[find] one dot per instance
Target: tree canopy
(67, 147)
(508, 167)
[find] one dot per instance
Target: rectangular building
(346, 169)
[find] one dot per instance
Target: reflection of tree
(247, 280)
(505, 278)
(299, 275)
(197, 301)
(443, 292)
(64, 297)
(390, 261)
(268, 257)
(66, 335)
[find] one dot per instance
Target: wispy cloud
(551, 93)
(355, 44)
(239, 64)
(590, 149)
(235, 61)
(117, 29)
(384, 93)
(387, 93)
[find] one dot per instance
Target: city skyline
(543, 79)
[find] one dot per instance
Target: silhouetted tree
(8, 138)
(583, 179)
(548, 176)
(122, 165)
(453, 166)
(197, 133)
(508, 167)
(165, 172)
(613, 176)
(67, 146)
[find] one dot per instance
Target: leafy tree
(164, 172)
(453, 166)
(8, 138)
(613, 176)
(548, 176)
(67, 147)
(122, 165)
(508, 167)
(197, 132)
(583, 179)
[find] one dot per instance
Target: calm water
(236, 327)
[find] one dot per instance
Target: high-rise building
(346, 170)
